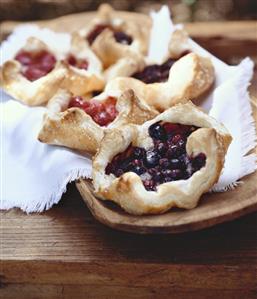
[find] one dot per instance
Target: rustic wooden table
(66, 253)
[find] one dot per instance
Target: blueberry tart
(169, 161)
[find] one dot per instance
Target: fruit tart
(33, 70)
(79, 122)
(119, 42)
(188, 78)
(169, 161)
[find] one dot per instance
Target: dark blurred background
(182, 10)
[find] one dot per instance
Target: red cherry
(33, 73)
(71, 60)
(171, 128)
(76, 101)
(23, 57)
(83, 64)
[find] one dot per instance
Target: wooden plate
(214, 208)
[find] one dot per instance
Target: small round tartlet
(169, 161)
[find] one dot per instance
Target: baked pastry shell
(128, 191)
(189, 77)
(74, 128)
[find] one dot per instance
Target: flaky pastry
(189, 77)
(169, 161)
(80, 123)
(84, 68)
(34, 75)
(119, 43)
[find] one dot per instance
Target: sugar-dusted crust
(82, 81)
(189, 77)
(212, 139)
(31, 93)
(75, 129)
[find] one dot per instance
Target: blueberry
(167, 173)
(156, 131)
(138, 152)
(164, 163)
(122, 38)
(175, 163)
(119, 172)
(138, 170)
(161, 148)
(174, 151)
(151, 158)
(199, 161)
(125, 165)
(176, 138)
(109, 168)
(157, 177)
(176, 174)
(152, 171)
(182, 144)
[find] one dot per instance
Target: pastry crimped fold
(119, 57)
(35, 92)
(74, 128)
(39, 89)
(189, 77)
(211, 139)
(80, 80)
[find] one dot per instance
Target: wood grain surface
(66, 253)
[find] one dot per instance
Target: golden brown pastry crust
(75, 129)
(118, 59)
(80, 81)
(189, 77)
(32, 93)
(128, 191)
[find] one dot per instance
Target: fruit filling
(103, 113)
(156, 72)
(120, 36)
(166, 161)
(35, 65)
(76, 62)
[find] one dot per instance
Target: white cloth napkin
(34, 175)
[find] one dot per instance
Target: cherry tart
(169, 161)
(80, 122)
(36, 68)
(33, 70)
(188, 78)
(118, 40)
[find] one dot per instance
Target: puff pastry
(84, 68)
(119, 42)
(189, 77)
(74, 128)
(169, 161)
(28, 79)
